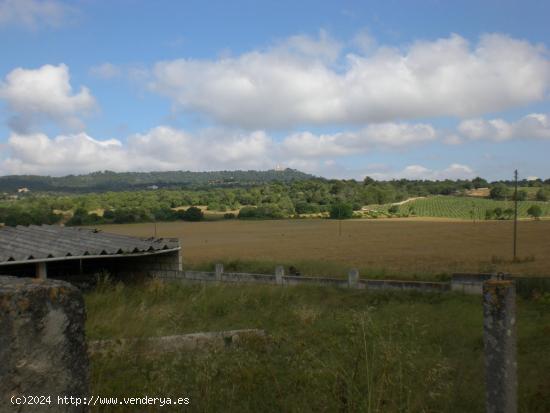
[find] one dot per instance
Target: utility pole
(515, 213)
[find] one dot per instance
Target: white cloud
(453, 171)
(162, 148)
(532, 126)
(105, 71)
(298, 83)
(34, 95)
(166, 148)
(324, 48)
(306, 144)
(37, 153)
(33, 13)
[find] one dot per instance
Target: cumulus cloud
(34, 95)
(306, 144)
(33, 14)
(162, 148)
(453, 171)
(37, 153)
(532, 126)
(166, 148)
(298, 83)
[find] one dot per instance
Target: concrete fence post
(499, 338)
(42, 343)
(279, 274)
(353, 278)
(219, 272)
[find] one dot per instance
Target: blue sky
(390, 89)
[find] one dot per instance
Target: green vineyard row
(462, 207)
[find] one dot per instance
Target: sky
(342, 89)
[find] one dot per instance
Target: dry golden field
(395, 247)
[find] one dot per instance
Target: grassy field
(400, 248)
(327, 350)
(466, 208)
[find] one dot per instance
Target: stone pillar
(42, 343)
(180, 262)
(499, 338)
(353, 278)
(279, 274)
(219, 272)
(41, 270)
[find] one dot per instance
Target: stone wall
(278, 278)
(42, 342)
(469, 283)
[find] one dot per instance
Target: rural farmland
(402, 248)
(465, 207)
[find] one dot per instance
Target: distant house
(71, 253)
(153, 187)
(23, 190)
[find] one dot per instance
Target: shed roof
(51, 242)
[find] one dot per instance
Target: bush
(499, 191)
(191, 214)
(522, 195)
(535, 211)
(542, 195)
(341, 210)
(261, 212)
(108, 214)
(81, 217)
(303, 207)
(393, 209)
(164, 214)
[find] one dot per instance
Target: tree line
(270, 200)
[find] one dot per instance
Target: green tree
(478, 182)
(499, 191)
(341, 210)
(522, 195)
(542, 195)
(192, 214)
(535, 211)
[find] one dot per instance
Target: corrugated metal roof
(50, 241)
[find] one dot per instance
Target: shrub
(341, 210)
(192, 214)
(261, 212)
(108, 214)
(499, 191)
(393, 209)
(303, 207)
(535, 211)
(521, 196)
(542, 195)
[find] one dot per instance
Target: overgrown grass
(328, 350)
(312, 268)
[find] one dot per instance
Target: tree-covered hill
(122, 181)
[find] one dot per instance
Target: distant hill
(121, 181)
